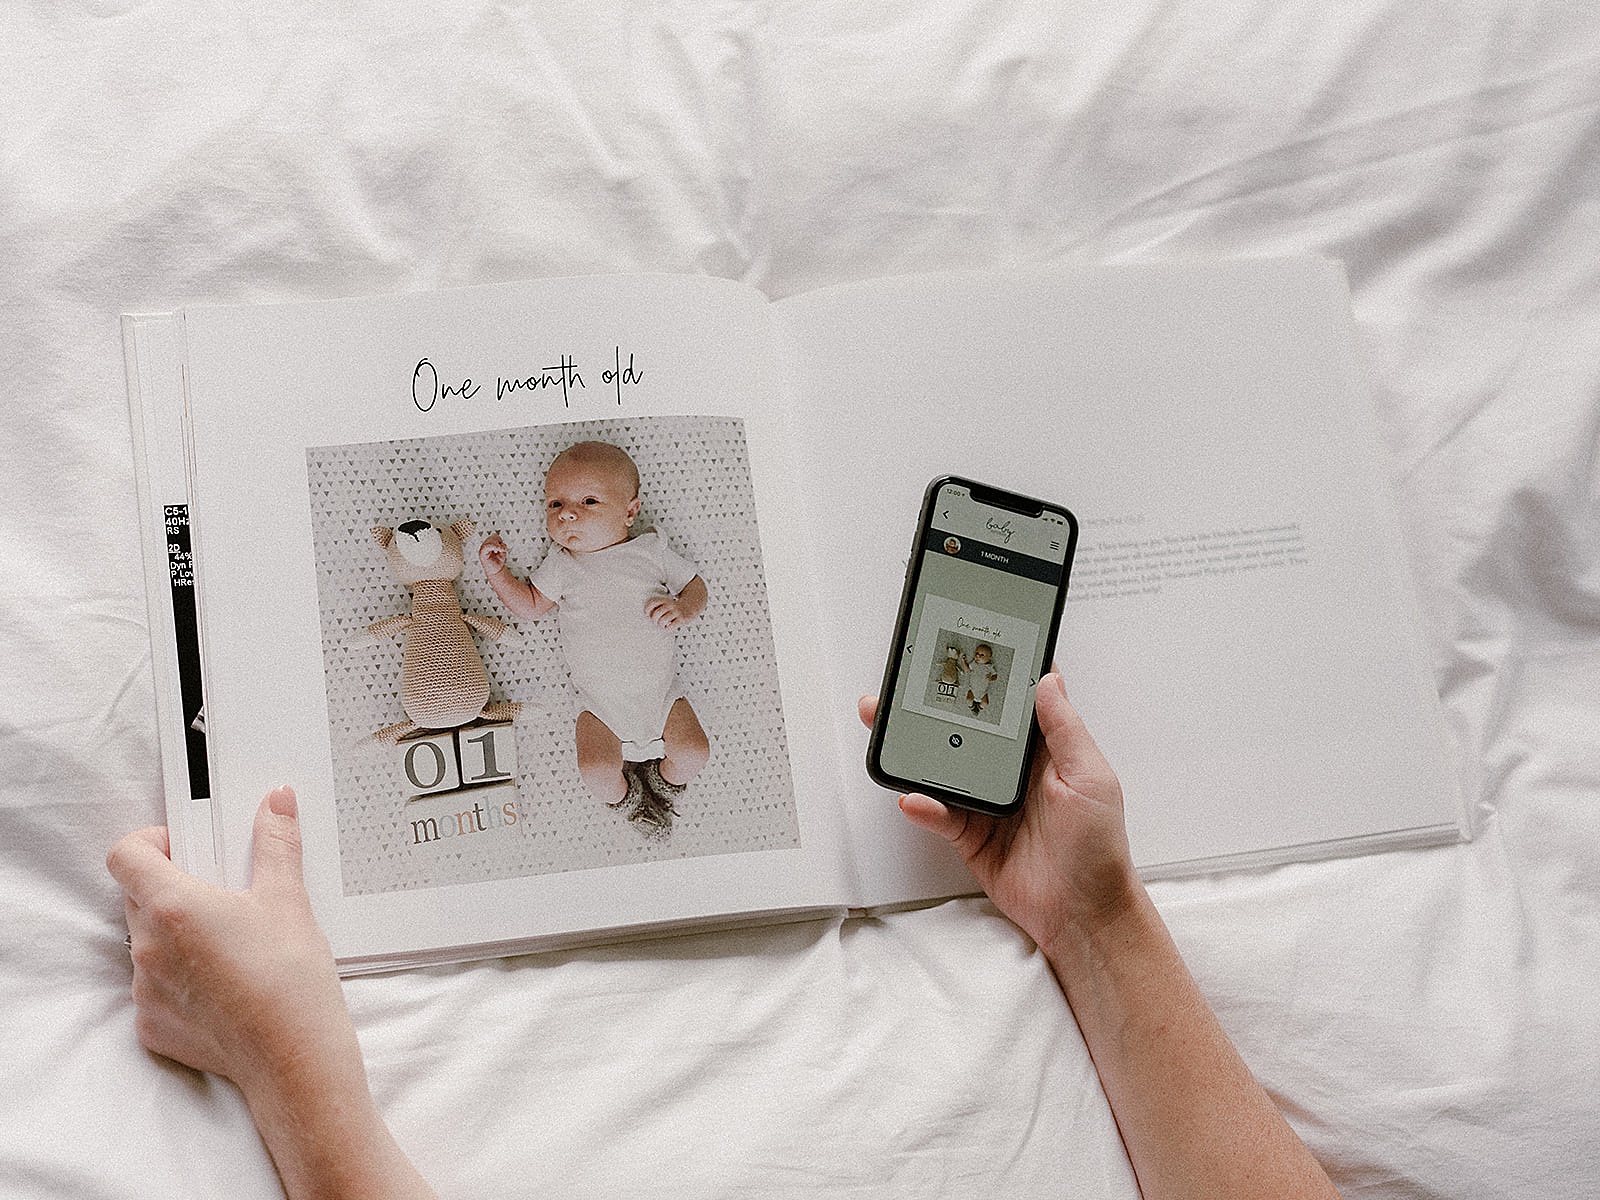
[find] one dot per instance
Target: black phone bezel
(1012, 502)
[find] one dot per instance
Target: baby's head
(983, 653)
(591, 497)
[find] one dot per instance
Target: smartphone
(976, 630)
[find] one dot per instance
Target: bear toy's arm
(386, 628)
(492, 628)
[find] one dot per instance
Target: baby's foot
(647, 810)
(658, 783)
(632, 792)
(656, 810)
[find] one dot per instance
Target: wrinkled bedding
(1429, 1020)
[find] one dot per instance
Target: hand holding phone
(976, 630)
(1062, 864)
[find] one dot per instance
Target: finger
(133, 918)
(278, 864)
(141, 863)
(867, 707)
(969, 833)
(145, 931)
(1072, 748)
(927, 813)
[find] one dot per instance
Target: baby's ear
(383, 535)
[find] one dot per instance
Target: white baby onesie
(622, 662)
(979, 677)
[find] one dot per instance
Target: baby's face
(982, 654)
(587, 506)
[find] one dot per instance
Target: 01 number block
(454, 760)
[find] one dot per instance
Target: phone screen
(977, 628)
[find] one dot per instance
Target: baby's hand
(666, 611)
(492, 554)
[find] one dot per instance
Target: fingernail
(283, 801)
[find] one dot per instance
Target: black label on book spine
(186, 632)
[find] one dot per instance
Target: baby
(617, 599)
(980, 675)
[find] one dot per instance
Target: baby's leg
(600, 758)
(687, 746)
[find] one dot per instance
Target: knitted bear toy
(443, 684)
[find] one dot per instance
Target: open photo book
(319, 481)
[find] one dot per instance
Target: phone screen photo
(976, 630)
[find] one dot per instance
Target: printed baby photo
(547, 649)
(971, 665)
(969, 675)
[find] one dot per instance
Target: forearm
(692, 600)
(328, 1140)
(521, 597)
(1195, 1122)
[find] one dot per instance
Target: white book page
(1239, 634)
(313, 423)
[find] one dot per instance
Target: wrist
(318, 1122)
(1117, 915)
(307, 1072)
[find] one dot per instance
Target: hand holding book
(243, 985)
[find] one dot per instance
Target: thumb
(1072, 748)
(277, 865)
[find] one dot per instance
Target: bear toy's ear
(464, 530)
(383, 535)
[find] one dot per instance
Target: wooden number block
(488, 754)
(453, 759)
(428, 764)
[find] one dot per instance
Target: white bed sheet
(1429, 1020)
